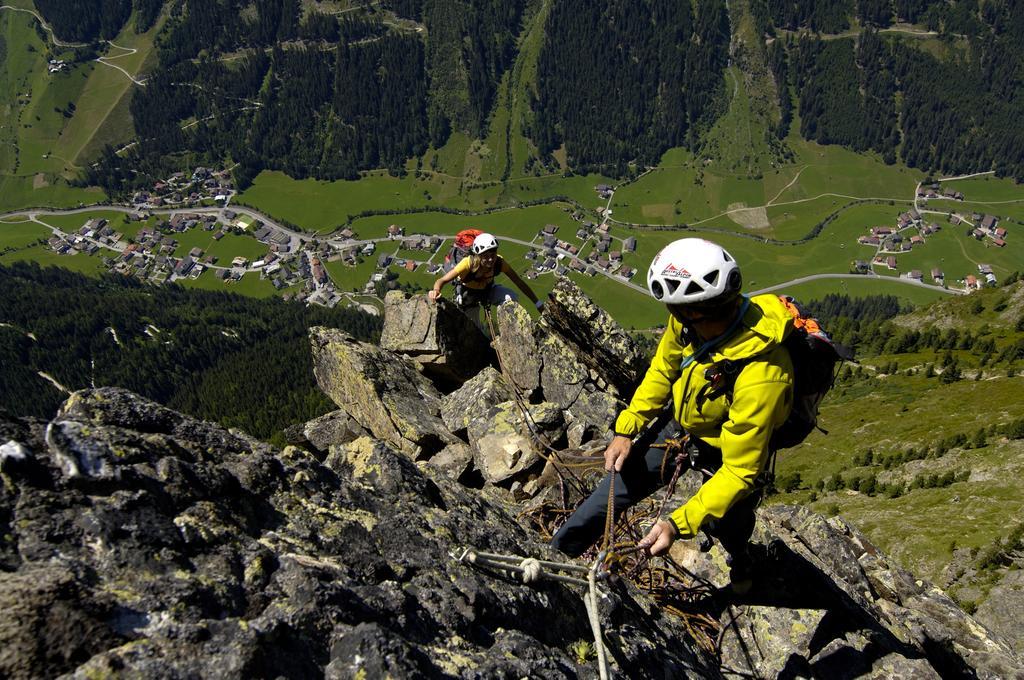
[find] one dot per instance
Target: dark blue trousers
(641, 476)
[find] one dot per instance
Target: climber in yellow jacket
(711, 325)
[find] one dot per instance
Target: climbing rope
(532, 570)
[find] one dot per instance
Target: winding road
(105, 60)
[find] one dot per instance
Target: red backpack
(460, 249)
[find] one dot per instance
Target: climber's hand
(659, 539)
(617, 452)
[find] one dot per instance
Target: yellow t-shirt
(482, 277)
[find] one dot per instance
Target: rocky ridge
(139, 541)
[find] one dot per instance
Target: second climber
(474, 276)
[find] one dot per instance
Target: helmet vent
(673, 286)
(693, 288)
(711, 277)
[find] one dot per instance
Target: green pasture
(33, 168)
(75, 221)
(682, 190)
(21, 234)
(1012, 210)
(522, 224)
(250, 285)
(987, 189)
(348, 278)
(322, 206)
(84, 264)
(229, 247)
(17, 192)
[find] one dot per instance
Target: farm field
(523, 223)
(322, 206)
(84, 264)
(794, 197)
(351, 279)
(21, 234)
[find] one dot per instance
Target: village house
(915, 275)
(937, 276)
(629, 245)
(1000, 243)
(395, 231)
(971, 282)
(916, 240)
(869, 240)
(890, 262)
(1000, 232)
(550, 229)
(989, 222)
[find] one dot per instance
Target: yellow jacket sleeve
(758, 407)
(655, 390)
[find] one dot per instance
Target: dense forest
(242, 362)
(620, 82)
(942, 115)
(88, 20)
(286, 85)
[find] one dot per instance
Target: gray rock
(912, 613)
(505, 443)
(763, 641)
(563, 376)
(199, 560)
(383, 392)
(516, 346)
(600, 342)
(471, 401)
(454, 460)
(336, 427)
(51, 621)
(438, 336)
(1003, 610)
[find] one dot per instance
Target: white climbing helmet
(482, 243)
(693, 271)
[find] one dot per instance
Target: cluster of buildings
(935, 191)
(561, 256)
(92, 236)
(912, 231)
(57, 65)
(987, 226)
(428, 245)
(203, 184)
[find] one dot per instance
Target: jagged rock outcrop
(827, 603)
(598, 340)
(137, 541)
(438, 336)
(382, 391)
(143, 543)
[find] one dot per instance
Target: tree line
(242, 362)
